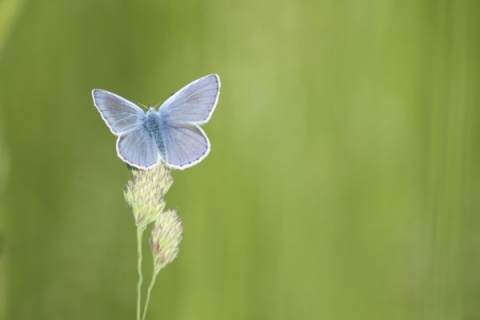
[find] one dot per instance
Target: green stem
(154, 277)
(139, 266)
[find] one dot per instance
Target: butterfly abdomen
(154, 124)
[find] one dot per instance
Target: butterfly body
(171, 134)
(154, 124)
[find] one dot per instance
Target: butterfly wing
(138, 149)
(135, 145)
(194, 103)
(121, 116)
(184, 144)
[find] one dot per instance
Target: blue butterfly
(171, 134)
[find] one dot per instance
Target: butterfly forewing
(121, 115)
(194, 103)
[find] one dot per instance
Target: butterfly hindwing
(138, 148)
(185, 144)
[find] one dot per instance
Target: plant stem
(152, 282)
(139, 266)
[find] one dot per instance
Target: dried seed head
(166, 236)
(145, 192)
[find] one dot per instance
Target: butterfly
(171, 134)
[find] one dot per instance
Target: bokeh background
(344, 176)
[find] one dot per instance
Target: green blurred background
(343, 181)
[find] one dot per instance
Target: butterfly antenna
(160, 103)
(157, 106)
(141, 106)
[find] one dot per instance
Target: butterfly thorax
(153, 121)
